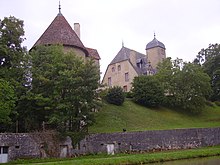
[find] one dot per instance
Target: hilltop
(133, 117)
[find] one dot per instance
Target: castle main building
(129, 63)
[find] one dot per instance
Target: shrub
(147, 91)
(115, 96)
(129, 95)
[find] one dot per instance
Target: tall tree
(63, 87)
(188, 85)
(12, 57)
(209, 58)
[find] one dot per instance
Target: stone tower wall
(155, 55)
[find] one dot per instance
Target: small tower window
(113, 69)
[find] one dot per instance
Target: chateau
(126, 65)
(60, 32)
(129, 63)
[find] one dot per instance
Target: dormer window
(139, 63)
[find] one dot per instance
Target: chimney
(77, 29)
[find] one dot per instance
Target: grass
(129, 158)
(133, 117)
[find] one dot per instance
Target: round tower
(155, 51)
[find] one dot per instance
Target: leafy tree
(115, 95)
(13, 59)
(166, 70)
(64, 88)
(7, 101)
(147, 91)
(192, 87)
(188, 86)
(209, 58)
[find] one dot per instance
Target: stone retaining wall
(150, 140)
(35, 145)
(25, 145)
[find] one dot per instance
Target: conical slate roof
(155, 43)
(60, 32)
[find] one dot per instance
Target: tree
(147, 91)
(7, 102)
(209, 58)
(115, 95)
(192, 87)
(186, 84)
(63, 87)
(13, 59)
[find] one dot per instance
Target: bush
(147, 91)
(129, 95)
(115, 96)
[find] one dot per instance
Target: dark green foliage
(102, 93)
(63, 88)
(115, 96)
(7, 101)
(129, 94)
(13, 63)
(186, 85)
(209, 58)
(147, 91)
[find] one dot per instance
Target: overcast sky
(184, 26)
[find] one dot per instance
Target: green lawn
(134, 117)
(129, 158)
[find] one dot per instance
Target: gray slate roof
(124, 54)
(155, 43)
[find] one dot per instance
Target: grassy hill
(134, 117)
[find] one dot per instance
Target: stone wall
(155, 56)
(38, 145)
(35, 145)
(19, 145)
(150, 140)
(118, 76)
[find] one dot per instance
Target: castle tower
(60, 32)
(155, 51)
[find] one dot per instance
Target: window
(113, 69)
(125, 88)
(126, 77)
(119, 67)
(139, 65)
(4, 149)
(109, 81)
